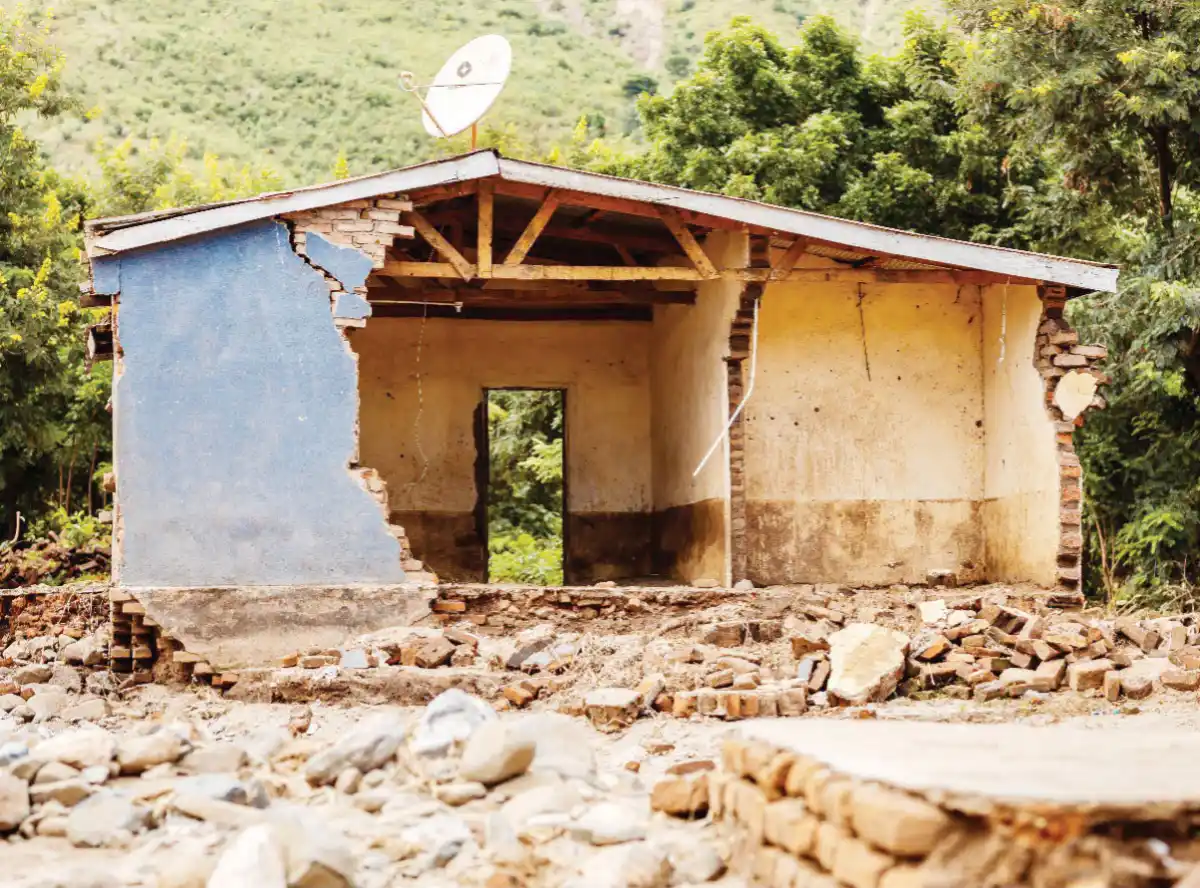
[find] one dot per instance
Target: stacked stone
(800, 824)
(1059, 354)
(134, 636)
(369, 226)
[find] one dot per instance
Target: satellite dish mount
(464, 89)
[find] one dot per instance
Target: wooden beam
(549, 296)
(688, 242)
(404, 268)
(458, 262)
(521, 248)
(439, 193)
(497, 313)
(788, 260)
(625, 255)
(483, 233)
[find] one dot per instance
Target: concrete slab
(235, 627)
(1142, 774)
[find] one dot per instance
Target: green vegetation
(1066, 127)
(292, 86)
(525, 485)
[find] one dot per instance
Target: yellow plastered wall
(423, 444)
(864, 435)
(690, 405)
(1021, 502)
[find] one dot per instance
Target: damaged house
(751, 392)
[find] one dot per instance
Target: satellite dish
(465, 88)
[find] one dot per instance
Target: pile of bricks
(798, 822)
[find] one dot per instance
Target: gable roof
(122, 233)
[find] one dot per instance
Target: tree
(1111, 88)
(43, 412)
(818, 126)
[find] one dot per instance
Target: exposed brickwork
(1057, 353)
(740, 335)
(369, 226)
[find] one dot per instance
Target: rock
(225, 788)
(47, 703)
(683, 796)
(1136, 687)
(85, 652)
(12, 751)
(348, 781)
(217, 758)
(254, 859)
(612, 709)
(610, 823)
(96, 774)
(87, 710)
(9, 702)
(67, 793)
(808, 641)
(14, 802)
(696, 863)
(33, 673)
(54, 825)
(139, 753)
(563, 745)
(933, 611)
(218, 813)
(706, 583)
(866, 663)
(368, 746)
(450, 718)
(440, 838)
(80, 748)
(52, 772)
(645, 866)
(104, 817)
(315, 855)
(101, 683)
(530, 642)
(494, 753)
(551, 799)
(1087, 675)
(744, 585)
(354, 658)
(455, 794)
(67, 678)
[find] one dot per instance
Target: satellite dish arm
(408, 82)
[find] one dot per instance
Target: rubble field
(613, 736)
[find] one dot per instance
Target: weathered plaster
(234, 421)
(864, 450)
(690, 406)
(347, 264)
(422, 438)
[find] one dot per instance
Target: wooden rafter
(689, 244)
(625, 255)
(483, 233)
(788, 260)
(539, 221)
(445, 249)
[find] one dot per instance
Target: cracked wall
(235, 416)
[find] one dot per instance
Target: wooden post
(483, 240)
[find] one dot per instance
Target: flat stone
(140, 753)
(867, 663)
(455, 794)
(9, 702)
(225, 788)
(52, 772)
(67, 793)
(87, 710)
(102, 818)
(496, 752)
(67, 678)
(610, 823)
(933, 611)
(48, 702)
(254, 859)
(216, 758)
(32, 673)
(80, 748)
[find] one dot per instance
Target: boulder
(14, 801)
(449, 719)
(254, 859)
(494, 753)
(866, 663)
(366, 747)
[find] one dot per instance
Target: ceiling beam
(484, 226)
(788, 260)
(687, 241)
(445, 249)
(539, 221)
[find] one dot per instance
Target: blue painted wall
(235, 421)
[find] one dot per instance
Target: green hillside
(294, 84)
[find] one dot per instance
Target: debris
(449, 719)
(612, 709)
(866, 661)
(366, 747)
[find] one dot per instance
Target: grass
(290, 85)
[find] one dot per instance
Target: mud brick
(859, 865)
(1045, 651)
(449, 607)
(681, 796)
(765, 631)
(990, 613)
(684, 704)
(1022, 660)
(751, 809)
(829, 837)
(1181, 679)
(1033, 628)
(720, 679)
(518, 695)
(730, 634)
(792, 702)
(930, 646)
(797, 778)
(936, 675)
(765, 862)
(1123, 659)
(733, 755)
(990, 690)
(1137, 687)
(979, 676)
(747, 704)
(807, 643)
(897, 822)
(768, 704)
(1088, 675)
(707, 702)
(1065, 641)
(716, 794)
(994, 664)
(1049, 675)
(788, 824)
(1098, 649)
(836, 801)
(823, 613)
(998, 636)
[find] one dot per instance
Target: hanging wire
(745, 398)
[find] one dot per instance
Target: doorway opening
(525, 492)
